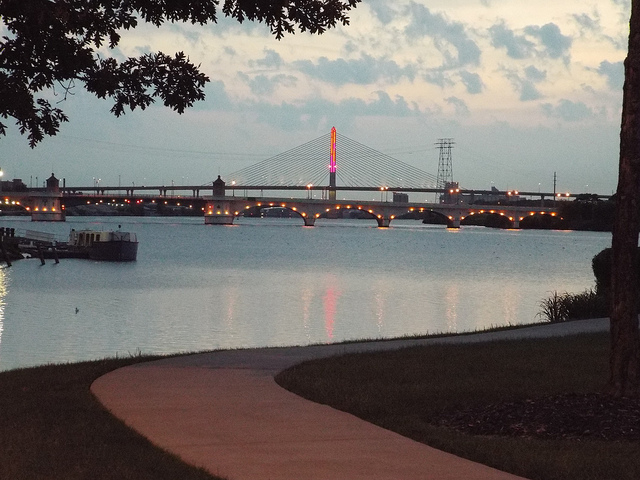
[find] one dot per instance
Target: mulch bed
(571, 416)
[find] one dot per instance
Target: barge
(110, 245)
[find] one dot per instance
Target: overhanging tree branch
(51, 42)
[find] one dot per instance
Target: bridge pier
(383, 222)
(219, 212)
(309, 220)
(46, 206)
(218, 219)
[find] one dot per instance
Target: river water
(268, 282)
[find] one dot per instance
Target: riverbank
(38, 408)
(530, 407)
(51, 426)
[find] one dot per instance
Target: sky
(524, 89)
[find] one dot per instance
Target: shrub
(573, 306)
(554, 308)
(587, 304)
(601, 266)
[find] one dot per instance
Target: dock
(17, 245)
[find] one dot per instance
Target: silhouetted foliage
(587, 212)
(602, 265)
(52, 44)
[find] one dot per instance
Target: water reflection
(510, 301)
(330, 302)
(3, 295)
(231, 294)
(379, 312)
(307, 298)
(451, 299)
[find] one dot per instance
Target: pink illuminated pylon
(332, 166)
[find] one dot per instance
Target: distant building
(495, 196)
(15, 185)
(451, 193)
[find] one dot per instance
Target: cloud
(271, 59)
(555, 44)
(525, 85)
(528, 91)
(382, 11)
(459, 104)
(439, 78)
(363, 71)
(517, 46)
(292, 117)
(614, 73)
(535, 75)
(445, 34)
(567, 110)
(264, 85)
(472, 82)
(587, 23)
(216, 97)
(384, 105)
(545, 41)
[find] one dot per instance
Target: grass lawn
(51, 427)
(410, 390)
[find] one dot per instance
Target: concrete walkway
(224, 412)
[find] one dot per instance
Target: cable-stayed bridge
(322, 167)
(357, 166)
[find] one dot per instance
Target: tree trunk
(625, 342)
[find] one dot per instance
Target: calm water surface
(273, 282)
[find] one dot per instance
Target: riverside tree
(625, 342)
(52, 44)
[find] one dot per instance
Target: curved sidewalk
(224, 412)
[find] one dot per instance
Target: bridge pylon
(332, 165)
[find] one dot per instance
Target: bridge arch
(308, 215)
(489, 219)
(498, 217)
(541, 220)
(448, 220)
(382, 218)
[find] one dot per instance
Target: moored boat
(117, 246)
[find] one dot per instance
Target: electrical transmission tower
(445, 164)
